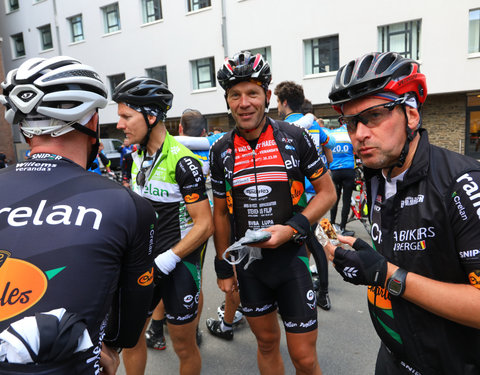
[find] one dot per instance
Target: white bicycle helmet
(48, 96)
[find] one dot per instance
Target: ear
(413, 117)
(180, 129)
(269, 95)
(151, 119)
(93, 124)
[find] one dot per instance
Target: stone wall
(6, 137)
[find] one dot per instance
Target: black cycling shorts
(281, 279)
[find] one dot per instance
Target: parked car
(111, 147)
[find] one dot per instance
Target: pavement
(347, 343)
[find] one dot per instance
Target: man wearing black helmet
(74, 245)
(258, 172)
(170, 177)
(424, 277)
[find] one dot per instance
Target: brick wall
(6, 137)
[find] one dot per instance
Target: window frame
(12, 8)
(72, 24)
(266, 52)
(14, 45)
(196, 66)
(146, 15)
(196, 5)
(148, 72)
(114, 80)
(314, 64)
(44, 31)
(410, 30)
(107, 10)
(470, 34)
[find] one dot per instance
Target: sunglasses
(370, 117)
(147, 164)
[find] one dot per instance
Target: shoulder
(222, 142)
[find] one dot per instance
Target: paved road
(347, 343)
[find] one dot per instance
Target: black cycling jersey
(263, 187)
(430, 227)
(72, 239)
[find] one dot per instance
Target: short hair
(292, 93)
(193, 123)
(307, 107)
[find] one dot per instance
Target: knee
(268, 343)
(305, 364)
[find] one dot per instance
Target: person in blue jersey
(290, 99)
(343, 175)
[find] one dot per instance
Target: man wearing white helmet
(75, 279)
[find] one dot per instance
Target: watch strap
(398, 277)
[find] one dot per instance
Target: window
(158, 72)
(151, 10)
(403, 38)
(321, 55)
(111, 18)
(194, 5)
(45, 37)
(18, 46)
(76, 28)
(203, 72)
(266, 52)
(474, 31)
(115, 80)
(12, 5)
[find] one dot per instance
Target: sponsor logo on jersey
(188, 298)
(412, 239)
(379, 297)
(229, 200)
(472, 190)
(460, 207)
(156, 192)
(292, 163)
(310, 295)
(290, 324)
(469, 253)
(191, 198)
(257, 191)
(310, 323)
(474, 278)
(296, 191)
(289, 147)
(44, 214)
(174, 150)
(22, 285)
(263, 308)
(317, 173)
(412, 201)
(146, 279)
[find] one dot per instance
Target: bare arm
(328, 154)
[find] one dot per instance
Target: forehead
(358, 105)
(245, 86)
(124, 109)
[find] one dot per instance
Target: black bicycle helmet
(244, 66)
(144, 91)
(375, 72)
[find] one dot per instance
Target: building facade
(184, 43)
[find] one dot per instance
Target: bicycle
(358, 202)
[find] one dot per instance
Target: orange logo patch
(146, 279)
(379, 297)
(191, 198)
(22, 285)
(474, 278)
(296, 191)
(229, 202)
(318, 173)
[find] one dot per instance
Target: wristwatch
(396, 283)
(297, 237)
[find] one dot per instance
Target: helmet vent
(385, 62)
(364, 66)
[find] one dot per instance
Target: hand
(280, 235)
(365, 266)
(167, 261)
(109, 360)
(229, 285)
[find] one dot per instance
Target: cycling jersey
(74, 240)
(342, 152)
(429, 227)
(264, 186)
(175, 180)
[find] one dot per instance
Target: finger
(346, 239)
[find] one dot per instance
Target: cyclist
(342, 168)
(258, 172)
(290, 99)
(170, 177)
(73, 244)
(423, 278)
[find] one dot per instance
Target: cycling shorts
(281, 279)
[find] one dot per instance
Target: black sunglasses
(370, 117)
(147, 163)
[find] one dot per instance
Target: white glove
(167, 261)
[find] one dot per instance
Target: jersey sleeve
(132, 300)
(327, 140)
(464, 214)
(216, 174)
(190, 179)
(310, 162)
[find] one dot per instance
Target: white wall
(280, 24)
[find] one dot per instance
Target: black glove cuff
(223, 269)
(300, 223)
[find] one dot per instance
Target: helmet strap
(143, 145)
(94, 134)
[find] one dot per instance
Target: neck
(254, 134)
(408, 160)
(157, 137)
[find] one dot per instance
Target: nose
(361, 132)
(120, 124)
(244, 102)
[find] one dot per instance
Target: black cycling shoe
(214, 327)
(155, 341)
(323, 300)
(349, 233)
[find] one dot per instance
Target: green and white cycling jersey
(174, 180)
